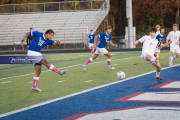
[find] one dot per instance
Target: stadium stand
(69, 26)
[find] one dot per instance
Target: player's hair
(158, 26)
(108, 27)
(49, 31)
(153, 29)
(91, 30)
(162, 29)
(175, 25)
(31, 28)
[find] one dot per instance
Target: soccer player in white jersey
(160, 37)
(158, 27)
(39, 41)
(104, 38)
(91, 42)
(174, 36)
(148, 50)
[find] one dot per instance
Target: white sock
(157, 74)
(170, 59)
(174, 57)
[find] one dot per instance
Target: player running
(39, 41)
(174, 46)
(160, 37)
(91, 42)
(104, 38)
(148, 50)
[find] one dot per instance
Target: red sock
(54, 69)
(35, 82)
(90, 50)
(108, 62)
(89, 61)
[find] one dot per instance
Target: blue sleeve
(101, 35)
(89, 36)
(110, 38)
(157, 37)
(51, 42)
(35, 33)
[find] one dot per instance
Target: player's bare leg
(176, 56)
(52, 67)
(109, 56)
(155, 62)
(36, 77)
(90, 60)
(171, 58)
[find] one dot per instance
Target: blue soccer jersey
(39, 42)
(91, 38)
(104, 38)
(160, 38)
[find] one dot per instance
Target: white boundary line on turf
(66, 67)
(78, 93)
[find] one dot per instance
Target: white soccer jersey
(174, 37)
(149, 45)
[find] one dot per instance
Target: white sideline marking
(115, 64)
(30, 82)
(66, 67)
(6, 82)
(61, 81)
(89, 81)
(78, 93)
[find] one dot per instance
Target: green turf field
(15, 80)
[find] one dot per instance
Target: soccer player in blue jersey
(104, 38)
(91, 41)
(160, 37)
(39, 41)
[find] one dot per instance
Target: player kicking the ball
(148, 50)
(39, 41)
(104, 38)
(174, 36)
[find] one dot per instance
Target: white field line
(65, 67)
(61, 81)
(6, 82)
(74, 94)
(89, 81)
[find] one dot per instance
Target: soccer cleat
(84, 66)
(63, 72)
(170, 64)
(36, 89)
(159, 78)
(111, 68)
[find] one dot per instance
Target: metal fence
(51, 6)
(103, 10)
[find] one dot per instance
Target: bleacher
(69, 26)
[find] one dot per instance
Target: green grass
(17, 94)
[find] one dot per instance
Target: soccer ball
(121, 75)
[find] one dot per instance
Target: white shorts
(143, 56)
(34, 57)
(157, 50)
(175, 50)
(90, 45)
(101, 51)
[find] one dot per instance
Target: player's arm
(112, 44)
(168, 42)
(136, 42)
(96, 39)
(57, 42)
(24, 38)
